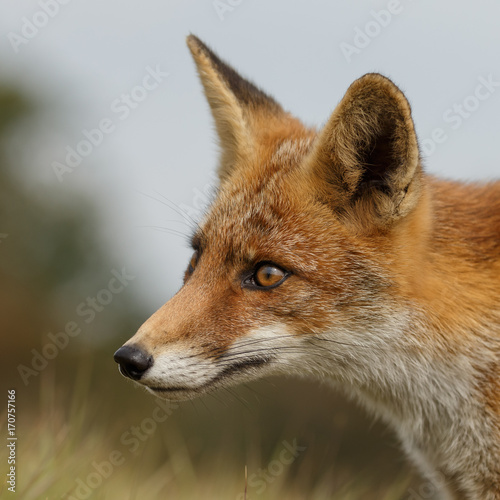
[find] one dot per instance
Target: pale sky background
(91, 52)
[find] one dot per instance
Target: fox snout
(285, 261)
(332, 254)
(133, 362)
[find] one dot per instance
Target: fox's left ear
(242, 112)
(366, 158)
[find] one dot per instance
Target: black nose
(133, 361)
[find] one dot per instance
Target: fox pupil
(268, 275)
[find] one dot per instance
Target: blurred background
(98, 176)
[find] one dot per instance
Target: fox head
(301, 263)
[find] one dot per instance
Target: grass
(86, 440)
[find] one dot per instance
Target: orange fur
(392, 285)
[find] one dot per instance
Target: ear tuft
(239, 107)
(245, 92)
(367, 154)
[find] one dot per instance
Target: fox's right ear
(366, 159)
(239, 108)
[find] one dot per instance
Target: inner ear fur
(240, 109)
(366, 157)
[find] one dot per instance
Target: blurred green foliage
(50, 253)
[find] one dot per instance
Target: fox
(331, 253)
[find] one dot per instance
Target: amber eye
(193, 262)
(269, 275)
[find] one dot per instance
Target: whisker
(174, 232)
(197, 411)
(252, 390)
(215, 351)
(239, 398)
(207, 409)
(170, 204)
(175, 221)
(229, 361)
(220, 351)
(219, 400)
(176, 208)
(301, 337)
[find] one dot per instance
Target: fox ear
(237, 105)
(367, 155)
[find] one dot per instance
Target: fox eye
(268, 275)
(192, 263)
